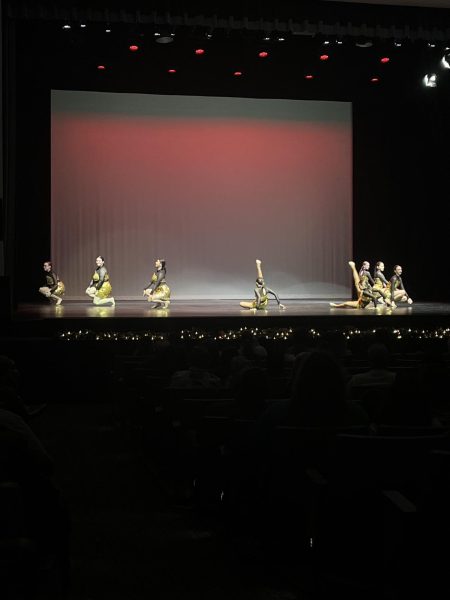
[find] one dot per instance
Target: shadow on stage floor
(45, 319)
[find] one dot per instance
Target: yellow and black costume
(100, 280)
(158, 289)
(261, 296)
(381, 285)
(398, 292)
(366, 293)
(54, 284)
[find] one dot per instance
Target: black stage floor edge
(47, 320)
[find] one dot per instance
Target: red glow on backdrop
(237, 73)
(134, 48)
(171, 70)
(305, 165)
(385, 59)
(263, 54)
(101, 67)
(374, 79)
(199, 51)
(324, 57)
(309, 76)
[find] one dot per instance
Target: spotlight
(199, 51)
(445, 60)
(385, 59)
(263, 54)
(324, 57)
(66, 26)
(430, 80)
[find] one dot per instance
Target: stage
(44, 319)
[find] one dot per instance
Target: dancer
(99, 288)
(54, 288)
(367, 285)
(398, 292)
(261, 293)
(381, 284)
(157, 290)
(363, 289)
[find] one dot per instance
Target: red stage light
(263, 54)
(101, 67)
(374, 79)
(134, 48)
(237, 73)
(171, 70)
(309, 76)
(199, 51)
(385, 59)
(324, 57)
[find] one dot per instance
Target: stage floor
(134, 314)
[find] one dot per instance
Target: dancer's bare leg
(258, 269)
(45, 291)
(100, 301)
(347, 304)
(57, 299)
(247, 304)
(355, 274)
(356, 280)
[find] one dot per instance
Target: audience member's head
(407, 404)
(250, 391)
(378, 355)
(198, 358)
(9, 374)
(318, 389)
(333, 343)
